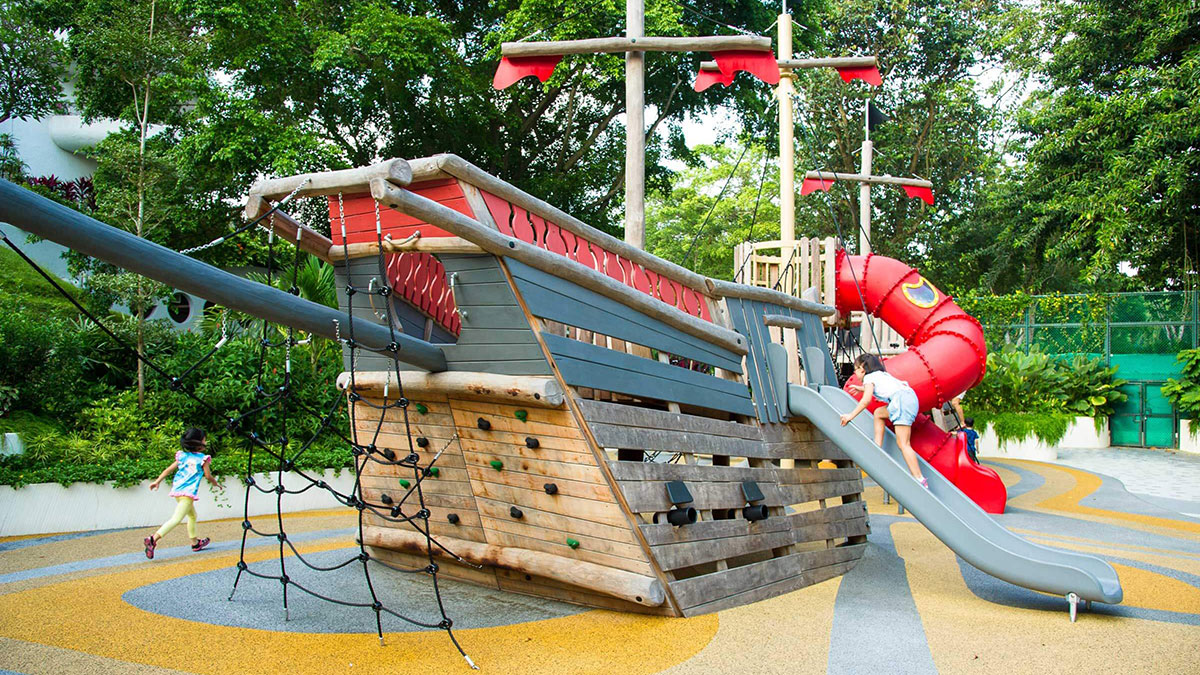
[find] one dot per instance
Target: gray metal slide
(949, 514)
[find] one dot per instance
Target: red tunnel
(946, 356)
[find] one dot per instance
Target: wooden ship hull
(594, 396)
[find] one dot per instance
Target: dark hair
(193, 438)
(869, 363)
(969, 421)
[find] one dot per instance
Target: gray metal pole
(47, 219)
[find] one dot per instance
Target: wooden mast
(635, 129)
(734, 53)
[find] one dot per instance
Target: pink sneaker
(924, 483)
(150, 544)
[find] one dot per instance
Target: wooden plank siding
(447, 492)
(556, 299)
(724, 559)
(587, 365)
(486, 303)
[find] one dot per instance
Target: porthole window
(179, 308)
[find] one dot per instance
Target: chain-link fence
(1140, 333)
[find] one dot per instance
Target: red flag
(707, 78)
(758, 63)
(811, 184)
(914, 192)
(869, 74)
(512, 69)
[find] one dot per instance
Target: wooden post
(635, 139)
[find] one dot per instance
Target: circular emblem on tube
(922, 294)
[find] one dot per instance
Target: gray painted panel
(494, 317)
(560, 300)
(740, 312)
(498, 336)
(476, 276)
(467, 261)
(493, 352)
(591, 366)
(494, 294)
(762, 337)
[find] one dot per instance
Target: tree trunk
(140, 312)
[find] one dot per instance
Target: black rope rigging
(841, 237)
(280, 397)
(754, 217)
(704, 226)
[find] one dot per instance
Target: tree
(410, 79)
(730, 196)
(32, 65)
(136, 62)
(930, 54)
(1107, 180)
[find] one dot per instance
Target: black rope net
(273, 392)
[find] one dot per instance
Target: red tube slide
(946, 356)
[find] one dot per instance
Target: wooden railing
(807, 269)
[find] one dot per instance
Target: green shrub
(1090, 388)
(1047, 427)
(110, 439)
(1184, 393)
(1032, 393)
(1017, 381)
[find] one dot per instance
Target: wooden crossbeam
(619, 45)
(871, 180)
(838, 62)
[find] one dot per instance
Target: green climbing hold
(432, 471)
(404, 483)
(572, 543)
(521, 415)
(496, 464)
(421, 408)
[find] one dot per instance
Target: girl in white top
(901, 407)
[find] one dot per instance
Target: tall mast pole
(787, 163)
(867, 332)
(864, 190)
(635, 132)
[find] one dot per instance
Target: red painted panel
(358, 210)
(545, 234)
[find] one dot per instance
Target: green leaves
(32, 65)
(1184, 393)
(1039, 383)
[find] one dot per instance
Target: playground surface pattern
(91, 602)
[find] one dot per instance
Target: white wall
(49, 508)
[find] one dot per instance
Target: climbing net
(273, 391)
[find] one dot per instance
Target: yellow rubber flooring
(63, 609)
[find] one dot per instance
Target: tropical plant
(1090, 388)
(1184, 393)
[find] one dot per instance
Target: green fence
(1140, 333)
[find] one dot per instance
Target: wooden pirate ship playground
(594, 424)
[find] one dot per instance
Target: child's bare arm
(167, 471)
(868, 391)
(209, 477)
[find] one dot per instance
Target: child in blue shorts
(901, 407)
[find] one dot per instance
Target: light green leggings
(186, 508)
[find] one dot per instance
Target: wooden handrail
(500, 245)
